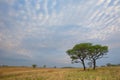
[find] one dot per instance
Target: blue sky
(40, 31)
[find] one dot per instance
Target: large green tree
(87, 51)
(79, 53)
(96, 52)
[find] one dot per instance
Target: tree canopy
(96, 52)
(79, 53)
(87, 51)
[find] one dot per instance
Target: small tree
(109, 64)
(54, 67)
(34, 65)
(44, 66)
(96, 52)
(79, 53)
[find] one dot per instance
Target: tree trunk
(83, 63)
(94, 64)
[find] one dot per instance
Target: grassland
(19, 73)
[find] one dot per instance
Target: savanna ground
(22, 73)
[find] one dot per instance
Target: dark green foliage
(87, 51)
(44, 66)
(79, 53)
(96, 52)
(109, 64)
(34, 65)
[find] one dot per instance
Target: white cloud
(100, 2)
(69, 14)
(101, 23)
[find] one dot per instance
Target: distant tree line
(34, 66)
(44, 66)
(3, 65)
(110, 64)
(87, 51)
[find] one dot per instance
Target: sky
(41, 31)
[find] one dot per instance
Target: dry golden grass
(17, 73)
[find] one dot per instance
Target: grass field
(19, 73)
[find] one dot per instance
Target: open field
(17, 73)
